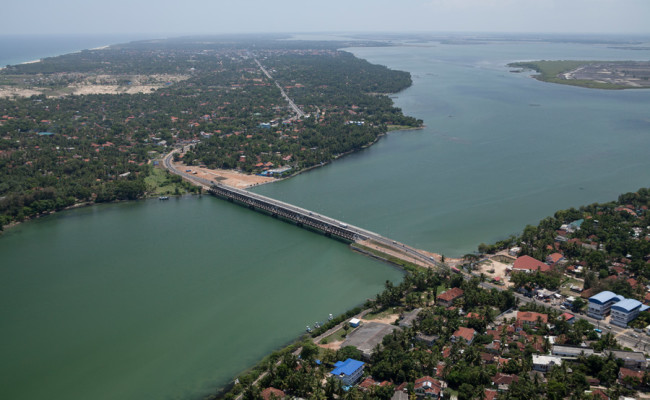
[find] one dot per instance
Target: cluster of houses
(550, 353)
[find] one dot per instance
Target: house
(489, 394)
(427, 387)
(464, 334)
(570, 318)
(408, 318)
(348, 371)
(429, 340)
(446, 299)
(272, 393)
(626, 375)
(625, 311)
(545, 363)
(367, 384)
(503, 381)
(530, 318)
(528, 265)
(601, 304)
(555, 258)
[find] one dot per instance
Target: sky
(180, 17)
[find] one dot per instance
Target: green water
(500, 150)
(166, 300)
(162, 299)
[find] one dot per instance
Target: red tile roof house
(428, 387)
(528, 264)
(466, 334)
(489, 394)
(503, 381)
(633, 377)
(529, 318)
(555, 258)
(272, 393)
(446, 299)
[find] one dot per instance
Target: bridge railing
(301, 217)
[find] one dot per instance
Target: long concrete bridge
(300, 216)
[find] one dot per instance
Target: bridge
(300, 216)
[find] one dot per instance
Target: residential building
(625, 311)
(427, 387)
(348, 371)
(530, 318)
(528, 265)
(464, 334)
(446, 299)
(545, 363)
(273, 393)
(601, 304)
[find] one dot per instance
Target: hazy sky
(170, 17)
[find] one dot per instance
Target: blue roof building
(348, 371)
(601, 304)
(625, 311)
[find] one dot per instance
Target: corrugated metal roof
(347, 367)
(627, 305)
(604, 297)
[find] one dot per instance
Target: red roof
(266, 393)
(427, 384)
(528, 263)
(531, 317)
(489, 394)
(567, 316)
(465, 333)
(450, 295)
(555, 257)
(504, 379)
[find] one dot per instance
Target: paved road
(624, 335)
(294, 107)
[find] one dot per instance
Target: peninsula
(92, 126)
(591, 74)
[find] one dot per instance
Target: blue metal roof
(627, 305)
(604, 297)
(347, 367)
(644, 308)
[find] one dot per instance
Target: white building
(625, 311)
(545, 363)
(601, 304)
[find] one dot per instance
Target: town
(500, 324)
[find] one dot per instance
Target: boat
(308, 329)
(163, 198)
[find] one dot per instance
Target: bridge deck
(298, 215)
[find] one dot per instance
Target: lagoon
(172, 299)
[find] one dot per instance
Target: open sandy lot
(227, 177)
(499, 269)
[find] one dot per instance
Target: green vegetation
(208, 92)
(550, 71)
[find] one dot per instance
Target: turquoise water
(172, 299)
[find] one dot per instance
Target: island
(590, 74)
